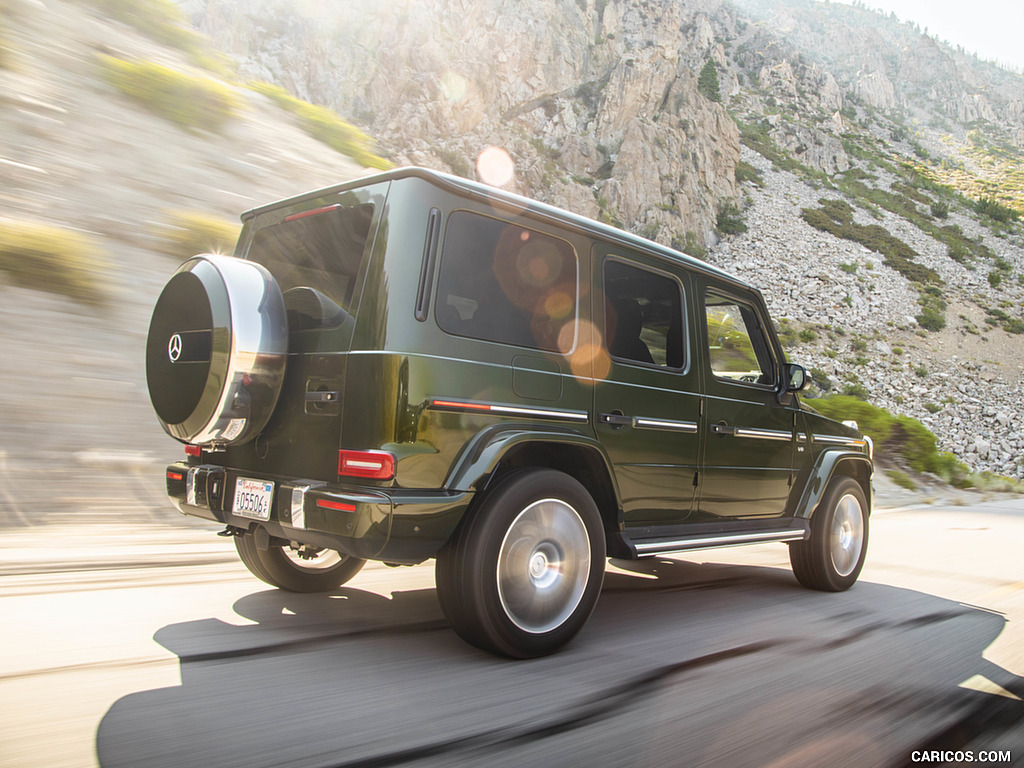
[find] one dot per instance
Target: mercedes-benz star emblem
(174, 347)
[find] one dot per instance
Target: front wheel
(831, 560)
(297, 569)
(523, 573)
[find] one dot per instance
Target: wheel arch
(576, 455)
(830, 464)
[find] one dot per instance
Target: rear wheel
(297, 569)
(831, 560)
(523, 573)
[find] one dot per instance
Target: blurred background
(865, 174)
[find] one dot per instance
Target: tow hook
(231, 531)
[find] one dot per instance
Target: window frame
(765, 338)
(613, 255)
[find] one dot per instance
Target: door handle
(615, 419)
(721, 428)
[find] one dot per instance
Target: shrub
(940, 210)
(836, 217)
(902, 479)
(746, 172)
(191, 101)
(873, 421)
(897, 438)
(995, 278)
(52, 259)
(187, 233)
(325, 125)
(730, 220)
(989, 206)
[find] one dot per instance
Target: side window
(738, 350)
(643, 316)
(502, 282)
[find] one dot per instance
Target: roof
(515, 202)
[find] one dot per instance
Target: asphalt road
(152, 646)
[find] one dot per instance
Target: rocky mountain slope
(608, 108)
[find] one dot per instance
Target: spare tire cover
(216, 351)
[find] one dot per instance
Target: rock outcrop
(597, 102)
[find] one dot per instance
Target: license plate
(253, 498)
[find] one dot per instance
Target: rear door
(748, 458)
(317, 250)
(647, 412)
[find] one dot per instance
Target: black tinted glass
(320, 249)
(643, 316)
(502, 282)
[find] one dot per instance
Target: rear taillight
(193, 450)
(371, 465)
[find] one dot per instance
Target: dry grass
(190, 100)
(187, 233)
(52, 259)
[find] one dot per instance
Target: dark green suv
(414, 366)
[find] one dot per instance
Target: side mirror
(794, 377)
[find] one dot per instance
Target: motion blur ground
(153, 646)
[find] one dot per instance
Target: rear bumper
(392, 525)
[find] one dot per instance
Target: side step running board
(666, 546)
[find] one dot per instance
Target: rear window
(506, 283)
(320, 249)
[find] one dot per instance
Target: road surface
(153, 646)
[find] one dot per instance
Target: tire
(216, 351)
(523, 572)
(831, 560)
(282, 567)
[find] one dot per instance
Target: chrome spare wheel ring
(543, 566)
(847, 538)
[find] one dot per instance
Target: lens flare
(588, 362)
(494, 166)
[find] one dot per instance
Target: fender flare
(825, 468)
(475, 464)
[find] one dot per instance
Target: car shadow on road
(726, 654)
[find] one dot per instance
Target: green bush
(53, 259)
(746, 172)
(897, 438)
(989, 206)
(326, 126)
(836, 217)
(191, 101)
(902, 479)
(730, 220)
(873, 421)
(187, 233)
